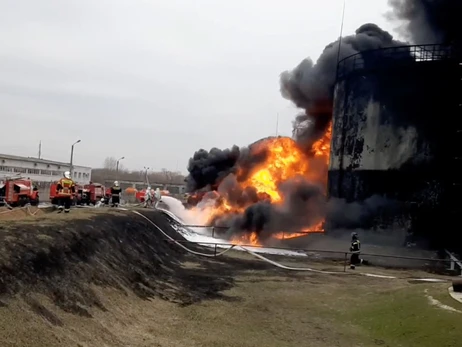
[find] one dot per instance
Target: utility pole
(117, 167)
(146, 174)
(40, 150)
(72, 156)
(277, 124)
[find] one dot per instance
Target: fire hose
(179, 244)
(274, 263)
(259, 256)
(27, 208)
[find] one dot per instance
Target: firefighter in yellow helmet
(65, 192)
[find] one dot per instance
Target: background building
(40, 170)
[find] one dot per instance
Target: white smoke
(197, 216)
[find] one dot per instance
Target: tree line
(109, 172)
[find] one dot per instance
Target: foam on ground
(203, 236)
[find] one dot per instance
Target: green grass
(405, 318)
(263, 308)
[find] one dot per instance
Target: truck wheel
(23, 202)
(35, 202)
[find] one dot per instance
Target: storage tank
(397, 126)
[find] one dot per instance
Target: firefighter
(355, 250)
(158, 196)
(65, 192)
(100, 203)
(148, 197)
(115, 192)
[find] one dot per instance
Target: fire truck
(18, 192)
(79, 194)
(84, 194)
(76, 198)
(54, 193)
(140, 194)
(92, 193)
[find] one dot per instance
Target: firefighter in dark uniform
(355, 250)
(65, 192)
(115, 194)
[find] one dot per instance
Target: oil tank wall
(396, 133)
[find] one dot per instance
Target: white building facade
(40, 170)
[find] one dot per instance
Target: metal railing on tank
(393, 56)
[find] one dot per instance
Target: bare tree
(168, 175)
(110, 163)
(108, 172)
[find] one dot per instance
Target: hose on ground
(272, 262)
(29, 211)
(13, 209)
(179, 244)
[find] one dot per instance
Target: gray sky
(161, 78)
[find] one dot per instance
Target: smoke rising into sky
(172, 76)
(428, 21)
(310, 86)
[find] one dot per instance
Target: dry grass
(231, 301)
(264, 308)
(48, 216)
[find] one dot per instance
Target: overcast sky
(155, 80)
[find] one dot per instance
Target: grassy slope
(262, 307)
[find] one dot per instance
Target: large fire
(284, 160)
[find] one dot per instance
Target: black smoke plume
(304, 205)
(429, 21)
(207, 169)
(310, 86)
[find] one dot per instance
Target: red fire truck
(140, 194)
(76, 198)
(18, 192)
(92, 193)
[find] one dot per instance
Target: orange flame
(321, 148)
(286, 236)
(250, 239)
(285, 160)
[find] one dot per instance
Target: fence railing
(450, 263)
(393, 56)
(344, 256)
(454, 261)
